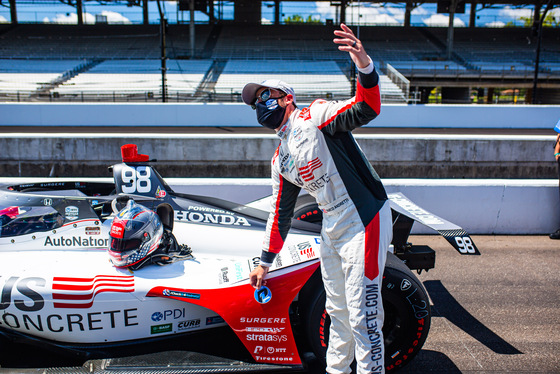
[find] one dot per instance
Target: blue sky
(357, 13)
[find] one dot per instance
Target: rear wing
(455, 235)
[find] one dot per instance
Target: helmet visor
(120, 245)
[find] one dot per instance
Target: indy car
(60, 290)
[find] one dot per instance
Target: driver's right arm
(283, 202)
(257, 276)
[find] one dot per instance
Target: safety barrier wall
(489, 206)
(236, 115)
(494, 206)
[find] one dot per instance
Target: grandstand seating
(138, 77)
(269, 42)
(506, 52)
(30, 76)
(310, 79)
(439, 69)
(92, 62)
(96, 41)
(552, 67)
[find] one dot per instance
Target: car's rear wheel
(307, 210)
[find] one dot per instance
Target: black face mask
(270, 114)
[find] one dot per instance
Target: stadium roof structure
(250, 11)
(140, 2)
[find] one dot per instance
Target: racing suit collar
(285, 128)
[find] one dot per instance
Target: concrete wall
(233, 114)
(513, 207)
(210, 155)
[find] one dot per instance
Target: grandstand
(18, 75)
(135, 77)
(122, 62)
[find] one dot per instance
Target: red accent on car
(12, 212)
(129, 153)
(80, 292)
(264, 329)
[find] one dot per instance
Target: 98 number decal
(136, 179)
(465, 244)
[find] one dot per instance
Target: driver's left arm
(343, 116)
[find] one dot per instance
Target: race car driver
(318, 153)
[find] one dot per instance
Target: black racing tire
(307, 210)
(405, 302)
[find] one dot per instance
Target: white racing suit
(318, 153)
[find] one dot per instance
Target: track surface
(494, 313)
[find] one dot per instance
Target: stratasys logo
(76, 241)
(266, 338)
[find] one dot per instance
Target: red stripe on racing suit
(371, 270)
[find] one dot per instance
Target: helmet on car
(136, 232)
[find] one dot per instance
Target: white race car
(60, 290)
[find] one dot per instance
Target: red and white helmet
(136, 232)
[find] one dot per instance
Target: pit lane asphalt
(494, 313)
